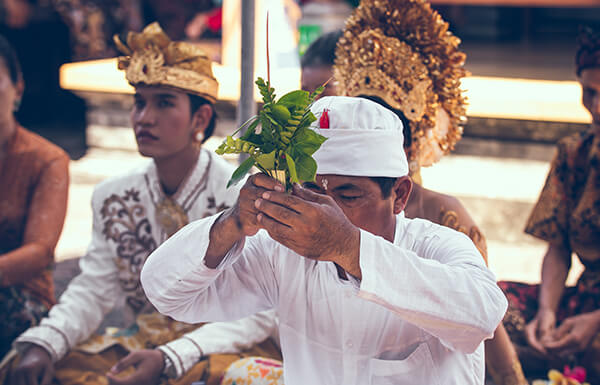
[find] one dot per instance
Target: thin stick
(268, 60)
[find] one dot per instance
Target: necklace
(170, 216)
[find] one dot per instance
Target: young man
(172, 116)
(364, 295)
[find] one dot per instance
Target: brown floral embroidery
(212, 207)
(126, 224)
(449, 218)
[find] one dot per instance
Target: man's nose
(147, 116)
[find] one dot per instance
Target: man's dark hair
(10, 60)
(385, 184)
(321, 52)
(195, 103)
(399, 114)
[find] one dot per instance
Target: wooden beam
(522, 3)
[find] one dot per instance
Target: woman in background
(34, 182)
(550, 324)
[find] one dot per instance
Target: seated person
(34, 180)
(550, 324)
(364, 295)
(173, 114)
(428, 136)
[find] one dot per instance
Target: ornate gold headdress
(402, 52)
(153, 59)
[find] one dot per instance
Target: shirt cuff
(184, 353)
(53, 340)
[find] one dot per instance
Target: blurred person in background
(553, 325)
(41, 40)
(92, 23)
(34, 181)
(317, 64)
(185, 19)
(173, 114)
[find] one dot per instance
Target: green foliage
(241, 171)
(284, 143)
(306, 167)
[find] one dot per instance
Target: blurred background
(522, 92)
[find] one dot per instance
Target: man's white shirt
(419, 315)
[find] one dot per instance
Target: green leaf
(266, 133)
(291, 168)
(273, 121)
(241, 171)
(306, 167)
(307, 141)
(266, 161)
(307, 120)
(251, 128)
(294, 99)
(281, 113)
(256, 140)
(264, 121)
(221, 149)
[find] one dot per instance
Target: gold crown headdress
(153, 59)
(402, 52)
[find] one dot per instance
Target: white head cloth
(364, 138)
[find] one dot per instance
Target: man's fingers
(31, 378)
(277, 212)
(277, 230)
(309, 195)
(124, 363)
(48, 375)
(290, 201)
(266, 182)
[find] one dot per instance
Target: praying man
(364, 295)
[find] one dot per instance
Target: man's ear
(20, 87)
(401, 190)
(201, 118)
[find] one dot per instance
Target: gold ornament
(153, 59)
(170, 216)
(402, 52)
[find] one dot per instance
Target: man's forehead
(338, 180)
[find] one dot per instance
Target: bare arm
(555, 269)
(45, 219)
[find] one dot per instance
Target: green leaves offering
(284, 146)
